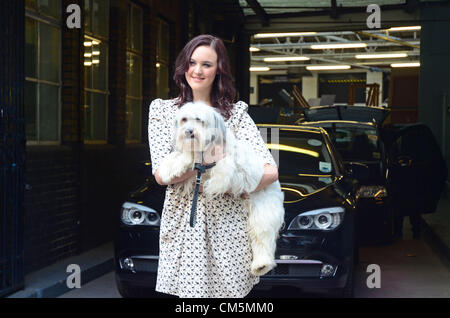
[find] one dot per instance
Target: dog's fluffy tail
(266, 216)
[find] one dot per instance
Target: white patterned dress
(213, 258)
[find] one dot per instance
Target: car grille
(145, 265)
(312, 270)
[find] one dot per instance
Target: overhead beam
(416, 44)
(259, 11)
(389, 39)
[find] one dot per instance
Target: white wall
(310, 84)
(376, 77)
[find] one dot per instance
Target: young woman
(213, 258)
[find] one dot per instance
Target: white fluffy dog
(200, 127)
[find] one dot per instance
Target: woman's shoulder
(159, 107)
(241, 106)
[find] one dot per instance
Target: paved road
(409, 268)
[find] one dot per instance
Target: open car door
(417, 170)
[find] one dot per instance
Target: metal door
(12, 145)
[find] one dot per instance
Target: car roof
(344, 122)
(293, 127)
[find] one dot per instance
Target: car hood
(303, 193)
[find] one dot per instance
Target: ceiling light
(254, 49)
(286, 58)
(338, 46)
(277, 35)
(327, 67)
(87, 63)
(87, 54)
(87, 43)
(414, 64)
(259, 68)
(380, 56)
(405, 28)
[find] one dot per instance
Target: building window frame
(89, 91)
(139, 54)
(39, 18)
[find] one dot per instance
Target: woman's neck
(202, 96)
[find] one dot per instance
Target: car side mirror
(357, 170)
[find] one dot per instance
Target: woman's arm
(270, 176)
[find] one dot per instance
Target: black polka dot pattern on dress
(213, 258)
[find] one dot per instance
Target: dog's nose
(189, 132)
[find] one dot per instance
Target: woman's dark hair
(223, 92)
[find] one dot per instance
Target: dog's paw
(262, 265)
(175, 165)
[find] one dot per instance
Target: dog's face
(197, 126)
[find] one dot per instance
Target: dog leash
(200, 169)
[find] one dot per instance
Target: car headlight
(321, 219)
(136, 214)
(371, 192)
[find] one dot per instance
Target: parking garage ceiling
(330, 32)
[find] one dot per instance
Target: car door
(417, 170)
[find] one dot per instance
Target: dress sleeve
(249, 132)
(159, 134)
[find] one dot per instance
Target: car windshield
(301, 152)
(355, 143)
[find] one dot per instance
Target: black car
(316, 250)
(361, 142)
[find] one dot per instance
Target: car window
(303, 153)
(356, 143)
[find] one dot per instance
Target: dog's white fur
(200, 127)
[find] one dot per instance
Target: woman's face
(202, 69)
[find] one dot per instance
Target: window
(134, 73)
(42, 71)
(96, 22)
(162, 60)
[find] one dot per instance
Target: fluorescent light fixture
(414, 64)
(405, 28)
(95, 52)
(380, 56)
(286, 58)
(95, 42)
(87, 54)
(95, 61)
(88, 63)
(327, 67)
(338, 46)
(87, 43)
(259, 68)
(277, 35)
(254, 49)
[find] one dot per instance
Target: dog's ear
(219, 128)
